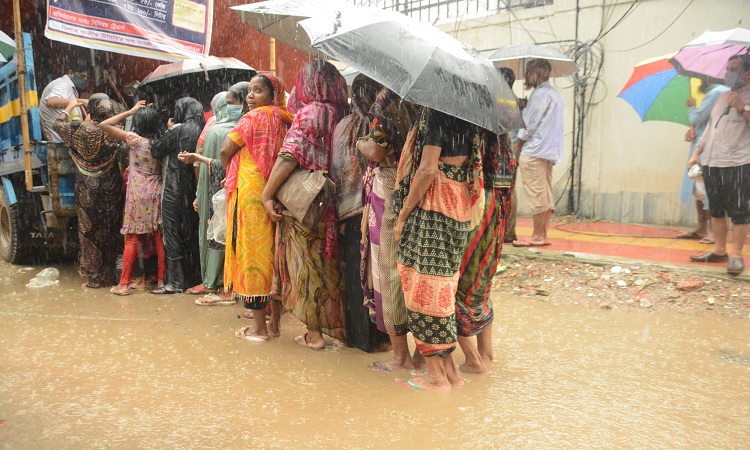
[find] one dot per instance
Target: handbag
(306, 194)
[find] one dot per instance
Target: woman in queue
(474, 312)
(347, 173)
(179, 217)
(439, 199)
(249, 152)
(310, 282)
(98, 190)
(143, 193)
(391, 120)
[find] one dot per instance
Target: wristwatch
(746, 108)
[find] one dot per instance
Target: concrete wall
(631, 170)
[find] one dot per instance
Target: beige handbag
(306, 194)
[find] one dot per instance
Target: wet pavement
(82, 368)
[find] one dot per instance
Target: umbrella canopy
(708, 54)
(515, 57)
(7, 47)
(210, 74)
(657, 92)
(419, 63)
(279, 18)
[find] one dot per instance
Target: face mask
(234, 112)
(731, 80)
(80, 83)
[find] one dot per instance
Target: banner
(169, 30)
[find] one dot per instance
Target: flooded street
(82, 368)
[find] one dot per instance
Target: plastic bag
(217, 226)
(47, 277)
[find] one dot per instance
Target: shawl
(211, 120)
(260, 131)
(91, 149)
(394, 118)
(322, 89)
(411, 157)
(347, 165)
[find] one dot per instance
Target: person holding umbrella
(540, 145)
(439, 199)
(725, 152)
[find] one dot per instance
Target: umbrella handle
(205, 72)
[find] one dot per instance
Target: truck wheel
(8, 229)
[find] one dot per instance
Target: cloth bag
(306, 194)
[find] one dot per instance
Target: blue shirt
(544, 118)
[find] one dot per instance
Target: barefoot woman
(440, 197)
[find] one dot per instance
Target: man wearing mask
(540, 145)
(57, 95)
(725, 150)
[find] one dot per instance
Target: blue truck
(37, 211)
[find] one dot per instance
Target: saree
(381, 283)
(347, 171)
(310, 282)
(98, 192)
(211, 259)
(479, 263)
(435, 235)
(249, 255)
(179, 219)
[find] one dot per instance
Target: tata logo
(38, 235)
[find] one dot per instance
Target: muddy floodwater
(82, 368)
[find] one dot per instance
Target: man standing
(725, 147)
(57, 95)
(540, 145)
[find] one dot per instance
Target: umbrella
(419, 63)
(209, 74)
(278, 18)
(657, 92)
(7, 47)
(516, 57)
(707, 55)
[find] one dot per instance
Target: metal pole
(272, 59)
(22, 95)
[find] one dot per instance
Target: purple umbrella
(707, 55)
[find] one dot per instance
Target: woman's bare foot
(273, 329)
(138, 284)
(418, 359)
(424, 382)
(312, 340)
(392, 365)
(451, 370)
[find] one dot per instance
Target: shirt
(544, 118)
(699, 116)
(726, 141)
(62, 88)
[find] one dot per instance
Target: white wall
(632, 170)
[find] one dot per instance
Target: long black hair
(147, 123)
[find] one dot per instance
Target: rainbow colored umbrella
(657, 92)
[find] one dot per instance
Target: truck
(37, 210)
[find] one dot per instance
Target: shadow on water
(82, 368)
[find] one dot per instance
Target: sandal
(214, 300)
(199, 290)
(117, 291)
(165, 290)
(252, 337)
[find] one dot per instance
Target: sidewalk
(650, 244)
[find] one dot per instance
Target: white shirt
(544, 118)
(61, 88)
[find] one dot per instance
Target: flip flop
(378, 366)
(241, 333)
(161, 290)
(690, 235)
(706, 240)
(521, 243)
(116, 291)
(199, 291)
(214, 300)
(302, 340)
